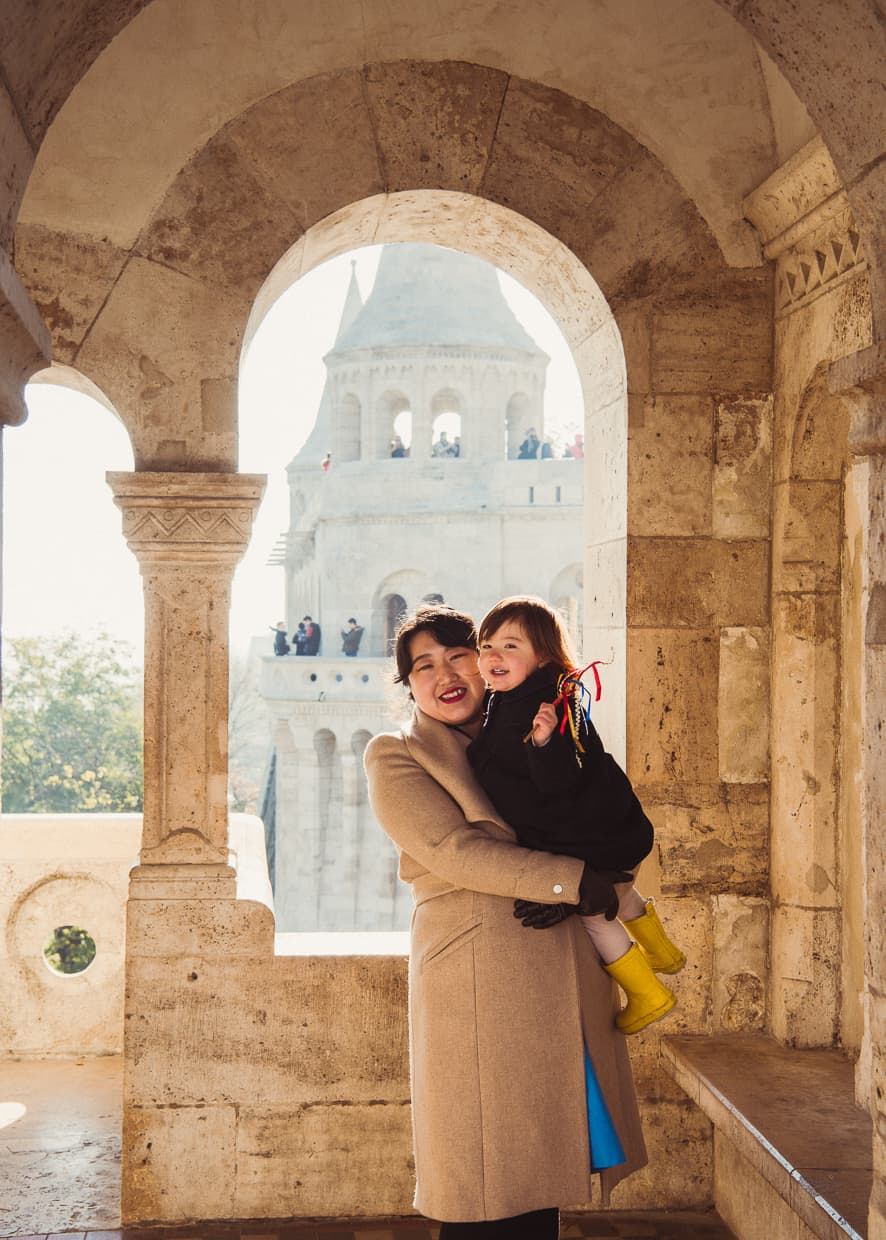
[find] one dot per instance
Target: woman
(499, 1015)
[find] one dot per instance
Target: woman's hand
(543, 724)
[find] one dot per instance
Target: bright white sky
(66, 565)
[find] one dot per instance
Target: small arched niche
(446, 425)
(393, 422)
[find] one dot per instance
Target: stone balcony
(317, 679)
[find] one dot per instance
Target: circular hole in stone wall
(70, 950)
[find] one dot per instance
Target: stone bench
(792, 1150)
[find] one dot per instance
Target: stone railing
(73, 870)
(314, 678)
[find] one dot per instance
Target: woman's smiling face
(445, 682)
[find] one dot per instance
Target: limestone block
(688, 921)
(354, 225)
(804, 755)
(742, 469)
(166, 1153)
(600, 362)
(220, 222)
(740, 979)
(806, 538)
(679, 1174)
(747, 1203)
(439, 118)
(636, 252)
(270, 1031)
(286, 140)
(820, 431)
(743, 705)
(605, 594)
(877, 1093)
(160, 335)
(576, 300)
(669, 465)
(722, 344)
(698, 582)
(711, 838)
(605, 473)
(552, 157)
(324, 1161)
(69, 278)
(672, 706)
(428, 217)
(634, 325)
(188, 928)
(805, 975)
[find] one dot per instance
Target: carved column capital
(188, 531)
(25, 344)
(194, 519)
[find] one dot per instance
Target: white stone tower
(435, 347)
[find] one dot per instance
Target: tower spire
(353, 304)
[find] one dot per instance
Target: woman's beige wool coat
(498, 1012)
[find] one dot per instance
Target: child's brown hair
(543, 626)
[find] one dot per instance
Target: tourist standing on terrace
(513, 1044)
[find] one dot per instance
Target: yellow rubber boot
(649, 934)
(648, 998)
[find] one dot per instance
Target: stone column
(188, 531)
(862, 379)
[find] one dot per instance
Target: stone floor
(60, 1174)
(628, 1226)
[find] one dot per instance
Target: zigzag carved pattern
(804, 273)
(176, 525)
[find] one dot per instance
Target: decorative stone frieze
(188, 532)
(806, 225)
(25, 344)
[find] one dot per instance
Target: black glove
(542, 916)
(597, 894)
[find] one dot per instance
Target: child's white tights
(610, 937)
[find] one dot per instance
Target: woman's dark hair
(448, 626)
(542, 624)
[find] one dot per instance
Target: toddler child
(562, 798)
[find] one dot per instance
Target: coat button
(558, 889)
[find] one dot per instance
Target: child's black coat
(553, 803)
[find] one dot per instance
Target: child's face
(507, 657)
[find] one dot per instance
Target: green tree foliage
(72, 727)
(70, 950)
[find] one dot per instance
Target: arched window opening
(394, 609)
(446, 435)
(401, 440)
(446, 412)
(347, 437)
(403, 381)
(393, 425)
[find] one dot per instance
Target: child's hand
(543, 724)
